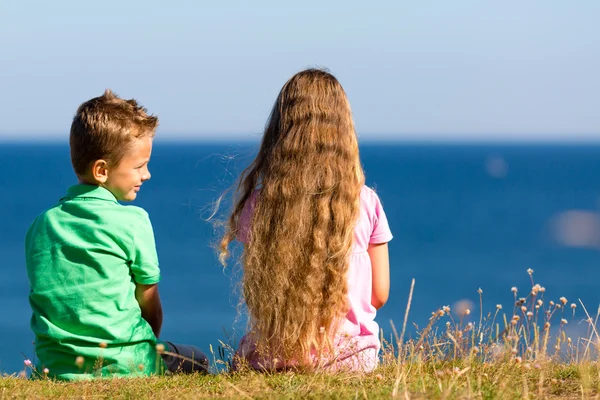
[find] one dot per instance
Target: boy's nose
(147, 175)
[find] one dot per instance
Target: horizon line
(406, 141)
(489, 137)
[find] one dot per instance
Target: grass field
(504, 380)
(522, 351)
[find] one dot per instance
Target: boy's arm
(149, 300)
(145, 271)
(380, 264)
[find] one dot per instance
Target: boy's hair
(104, 126)
(309, 178)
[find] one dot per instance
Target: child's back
(315, 238)
(356, 344)
(84, 258)
(92, 262)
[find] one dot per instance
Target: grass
(419, 380)
(523, 352)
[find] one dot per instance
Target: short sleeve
(381, 229)
(144, 265)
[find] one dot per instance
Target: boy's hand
(149, 300)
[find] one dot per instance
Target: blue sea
(464, 217)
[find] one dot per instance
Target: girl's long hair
(306, 182)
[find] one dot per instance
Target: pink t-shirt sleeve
(246, 219)
(381, 229)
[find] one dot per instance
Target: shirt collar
(82, 191)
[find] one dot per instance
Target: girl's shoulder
(373, 220)
(369, 198)
(367, 191)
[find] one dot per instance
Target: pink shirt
(357, 344)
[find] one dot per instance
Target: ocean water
(464, 217)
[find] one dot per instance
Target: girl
(315, 259)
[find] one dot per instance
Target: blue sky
(413, 70)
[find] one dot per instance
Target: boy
(92, 262)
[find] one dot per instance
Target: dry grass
(419, 380)
(518, 352)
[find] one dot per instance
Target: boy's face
(126, 179)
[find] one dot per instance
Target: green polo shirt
(84, 257)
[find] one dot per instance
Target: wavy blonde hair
(307, 177)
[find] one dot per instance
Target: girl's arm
(380, 265)
(149, 300)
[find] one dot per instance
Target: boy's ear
(100, 171)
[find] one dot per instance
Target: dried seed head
(79, 361)
(563, 321)
(514, 289)
(563, 300)
(160, 348)
(530, 271)
(499, 306)
(573, 305)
